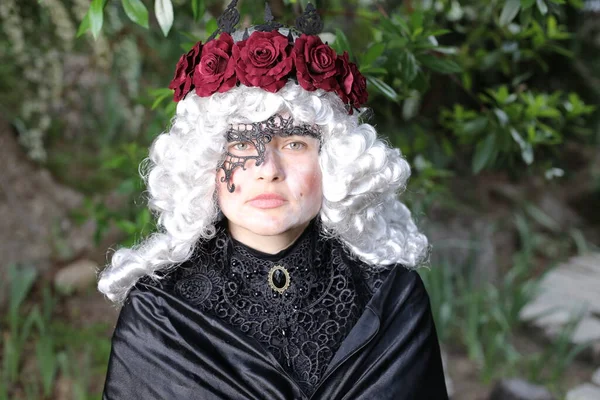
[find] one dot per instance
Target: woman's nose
(272, 167)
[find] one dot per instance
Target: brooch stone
(279, 278)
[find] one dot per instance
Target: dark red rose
(183, 80)
(315, 63)
(263, 60)
(353, 85)
(216, 70)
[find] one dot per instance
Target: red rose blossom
(263, 60)
(182, 81)
(216, 70)
(315, 63)
(353, 85)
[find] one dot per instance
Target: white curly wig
(362, 177)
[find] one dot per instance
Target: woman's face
(278, 197)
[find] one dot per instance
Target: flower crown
(268, 59)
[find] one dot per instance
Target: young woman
(284, 266)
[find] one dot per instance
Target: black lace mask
(258, 135)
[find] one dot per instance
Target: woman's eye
(240, 146)
(296, 145)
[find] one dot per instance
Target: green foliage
(32, 332)
(95, 17)
(405, 55)
(136, 11)
(510, 124)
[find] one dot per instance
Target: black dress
(324, 326)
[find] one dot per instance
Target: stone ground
(570, 294)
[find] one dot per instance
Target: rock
(559, 213)
(77, 276)
(568, 293)
(518, 389)
(588, 330)
(32, 206)
(596, 377)
(587, 391)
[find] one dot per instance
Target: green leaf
(484, 153)
(526, 149)
(542, 6)
(525, 4)
(96, 17)
(579, 4)
(341, 43)
(440, 32)
(408, 66)
(525, 16)
(160, 95)
(211, 26)
(126, 226)
(85, 24)
(393, 29)
(159, 92)
(416, 20)
(198, 9)
(136, 11)
(372, 53)
(190, 36)
(502, 117)
(186, 46)
(373, 70)
(164, 15)
(22, 278)
(383, 88)
(509, 11)
(399, 21)
(441, 65)
(474, 126)
(170, 109)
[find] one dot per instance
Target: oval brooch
(279, 278)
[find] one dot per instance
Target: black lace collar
(310, 230)
(303, 325)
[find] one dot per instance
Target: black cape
(163, 348)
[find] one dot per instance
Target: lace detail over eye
(302, 327)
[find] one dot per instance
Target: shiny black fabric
(303, 326)
(164, 347)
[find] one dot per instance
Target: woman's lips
(267, 200)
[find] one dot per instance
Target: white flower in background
(65, 29)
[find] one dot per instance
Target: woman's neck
(266, 244)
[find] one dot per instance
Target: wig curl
(362, 177)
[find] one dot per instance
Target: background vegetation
(471, 91)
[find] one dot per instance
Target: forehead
(277, 125)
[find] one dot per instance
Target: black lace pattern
(257, 135)
(302, 327)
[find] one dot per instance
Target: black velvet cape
(163, 348)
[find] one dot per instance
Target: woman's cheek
(312, 187)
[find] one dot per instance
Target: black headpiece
(309, 22)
